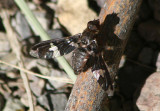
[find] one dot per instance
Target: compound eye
(92, 27)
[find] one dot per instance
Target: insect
(86, 52)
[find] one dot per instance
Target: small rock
(100, 3)
(36, 84)
(41, 16)
(24, 100)
(21, 25)
(57, 73)
(20, 90)
(44, 67)
(145, 11)
(131, 50)
(130, 77)
(155, 5)
(9, 58)
(149, 97)
(55, 33)
(73, 16)
(146, 56)
(13, 105)
(150, 30)
(31, 6)
(56, 102)
(59, 101)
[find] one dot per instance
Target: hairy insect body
(79, 59)
(86, 53)
(86, 47)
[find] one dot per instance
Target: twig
(58, 79)
(12, 37)
(116, 18)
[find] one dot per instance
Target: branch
(117, 18)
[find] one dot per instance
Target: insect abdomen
(79, 59)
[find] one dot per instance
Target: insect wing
(101, 73)
(55, 47)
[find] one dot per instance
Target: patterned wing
(102, 75)
(55, 47)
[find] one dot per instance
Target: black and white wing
(55, 47)
(102, 75)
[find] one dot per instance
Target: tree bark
(116, 18)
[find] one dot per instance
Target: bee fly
(86, 53)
